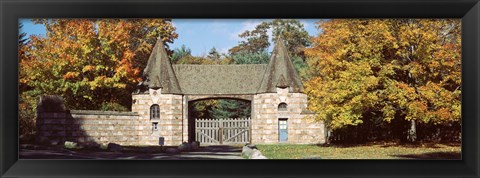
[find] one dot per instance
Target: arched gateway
(275, 91)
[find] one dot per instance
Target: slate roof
(159, 72)
(220, 79)
(280, 72)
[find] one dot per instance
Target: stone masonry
(172, 87)
(301, 126)
(89, 127)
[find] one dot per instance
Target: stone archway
(190, 99)
(173, 87)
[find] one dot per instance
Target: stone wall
(170, 124)
(89, 127)
(301, 126)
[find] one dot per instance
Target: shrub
(109, 106)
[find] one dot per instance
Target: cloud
(247, 25)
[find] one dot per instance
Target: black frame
(11, 11)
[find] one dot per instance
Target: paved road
(204, 153)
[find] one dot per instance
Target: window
(155, 126)
(282, 107)
(155, 112)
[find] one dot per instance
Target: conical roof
(280, 72)
(159, 72)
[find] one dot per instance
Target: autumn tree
(394, 70)
(27, 103)
(91, 62)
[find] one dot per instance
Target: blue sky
(200, 35)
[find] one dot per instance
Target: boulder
(255, 153)
(172, 151)
(251, 146)
(103, 146)
(184, 147)
(70, 145)
(260, 157)
(195, 145)
(114, 147)
(247, 151)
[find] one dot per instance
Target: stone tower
(279, 102)
(274, 90)
(158, 100)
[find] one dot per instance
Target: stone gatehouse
(160, 105)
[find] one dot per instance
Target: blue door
(282, 130)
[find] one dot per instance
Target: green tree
(257, 40)
(261, 57)
(179, 53)
(213, 54)
(228, 108)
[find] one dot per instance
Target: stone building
(160, 104)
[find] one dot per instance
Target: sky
(201, 35)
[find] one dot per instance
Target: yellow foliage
(407, 68)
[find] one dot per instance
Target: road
(203, 153)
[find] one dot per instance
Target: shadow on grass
(392, 144)
(433, 155)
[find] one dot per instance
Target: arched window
(282, 107)
(155, 112)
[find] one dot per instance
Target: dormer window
(282, 107)
(154, 112)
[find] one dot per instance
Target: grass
(365, 151)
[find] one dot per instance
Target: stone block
(195, 145)
(184, 147)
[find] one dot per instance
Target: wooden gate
(223, 131)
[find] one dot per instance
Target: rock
(255, 153)
(251, 146)
(195, 145)
(172, 151)
(103, 146)
(247, 151)
(184, 147)
(70, 145)
(260, 157)
(114, 147)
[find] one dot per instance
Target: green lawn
(367, 151)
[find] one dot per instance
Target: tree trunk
(412, 132)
